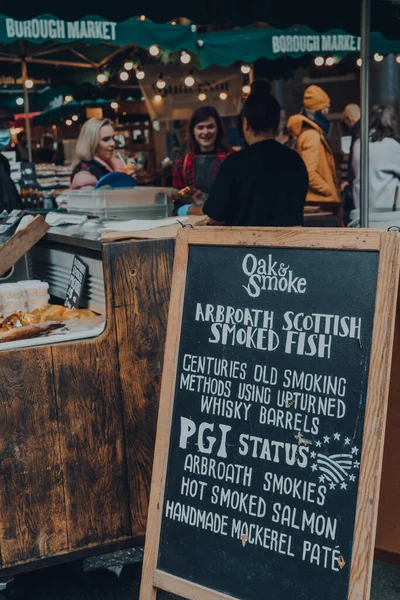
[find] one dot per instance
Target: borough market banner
(95, 30)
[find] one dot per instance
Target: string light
(378, 57)
(140, 74)
(68, 122)
(160, 83)
(359, 62)
(68, 98)
(319, 61)
(245, 69)
(28, 84)
(101, 78)
(330, 61)
(189, 80)
(128, 66)
(173, 22)
(157, 98)
(124, 76)
(202, 97)
(398, 58)
(75, 117)
(142, 18)
(223, 96)
(185, 58)
(19, 101)
(114, 105)
(154, 50)
(246, 89)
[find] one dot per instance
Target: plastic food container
(34, 289)
(124, 204)
(9, 291)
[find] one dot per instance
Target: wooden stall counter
(77, 422)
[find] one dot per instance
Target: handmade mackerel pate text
(267, 429)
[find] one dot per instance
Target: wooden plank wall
(77, 421)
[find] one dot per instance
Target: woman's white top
(384, 173)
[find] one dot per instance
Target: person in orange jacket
(310, 129)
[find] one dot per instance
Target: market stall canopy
(43, 38)
(92, 41)
(343, 14)
(251, 43)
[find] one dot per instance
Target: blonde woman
(95, 151)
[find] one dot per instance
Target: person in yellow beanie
(310, 129)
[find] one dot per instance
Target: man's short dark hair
(262, 112)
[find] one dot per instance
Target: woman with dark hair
(195, 171)
(384, 160)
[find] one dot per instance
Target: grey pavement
(69, 582)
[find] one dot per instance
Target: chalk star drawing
(336, 469)
(347, 442)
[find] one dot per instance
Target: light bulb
(157, 98)
(319, 61)
(223, 96)
(161, 84)
(359, 62)
(154, 50)
(68, 122)
(378, 57)
(142, 18)
(173, 22)
(202, 97)
(68, 98)
(245, 69)
(189, 80)
(124, 76)
(114, 105)
(140, 74)
(185, 58)
(29, 84)
(75, 117)
(128, 66)
(19, 101)
(330, 61)
(246, 89)
(398, 58)
(101, 78)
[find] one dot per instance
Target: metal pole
(26, 107)
(364, 159)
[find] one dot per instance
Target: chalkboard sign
(76, 283)
(267, 478)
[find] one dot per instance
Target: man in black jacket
(264, 185)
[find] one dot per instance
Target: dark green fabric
(96, 30)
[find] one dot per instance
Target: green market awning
(251, 43)
(93, 41)
(96, 30)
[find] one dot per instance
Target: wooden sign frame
(388, 246)
(22, 241)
